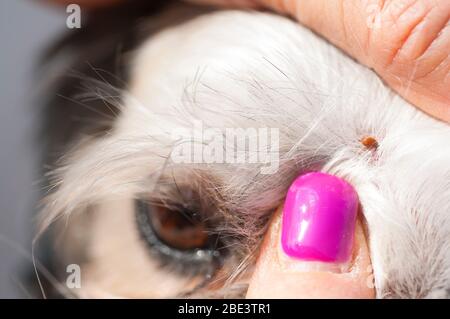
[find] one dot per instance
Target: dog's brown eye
(180, 228)
(179, 238)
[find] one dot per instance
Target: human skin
(279, 276)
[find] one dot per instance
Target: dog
(123, 98)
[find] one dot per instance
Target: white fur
(236, 69)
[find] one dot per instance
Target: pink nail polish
(319, 218)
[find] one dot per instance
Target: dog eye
(178, 238)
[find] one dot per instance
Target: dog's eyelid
(194, 255)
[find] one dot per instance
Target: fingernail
(319, 218)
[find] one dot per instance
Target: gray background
(26, 27)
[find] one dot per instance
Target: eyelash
(189, 263)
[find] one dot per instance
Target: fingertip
(281, 275)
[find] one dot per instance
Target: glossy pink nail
(319, 218)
